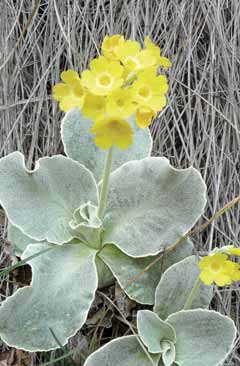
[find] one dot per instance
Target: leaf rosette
(186, 338)
(170, 336)
(150, 205)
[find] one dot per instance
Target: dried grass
(200, 126)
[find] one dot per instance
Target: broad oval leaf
(175, 286)
(151, 204)
(153, 331)
(203, 336)
(133, 275)
(46, 196)
(57, 301)
(124, 351)
(79, 144)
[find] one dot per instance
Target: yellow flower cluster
(218, 268)
(121, 82)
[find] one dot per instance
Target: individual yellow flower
(217, 268)
(144, 116)
(133, 58)
(94, 106)
(120, 103)
(110, 46)
(155, 53)
(112, 131)
(103, 77)
(70, 94)
(149, 90)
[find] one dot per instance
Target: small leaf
(153, 331)
(59, 298)
(138, 283)
(41, 202)
(87, 225)
(124, 351)
(204, 337)
(175, 286)
(79, 144)
(168, 353)
(150, 205)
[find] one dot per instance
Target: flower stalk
(192, 294)
(105, 184)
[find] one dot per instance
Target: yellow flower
(133, 58)
(155, 52)
(149, 90)
(70, 94)
(110, 46)
(120, 103)
(112, 131)
(144, 116)
(94, 106)
(103, 77)
(217, 268)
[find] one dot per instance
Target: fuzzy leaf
(105, 276)
(127, 269)
(204, 337)
(62, 290)
(87, 225)
(18, 239)
(151, 204)
(79, 144)
(153, 331)
(41, 202)
(168, 353)
(176, 285)
(124, 351)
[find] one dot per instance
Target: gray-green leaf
(59, 298)
(168, 353)
(79, 144)
(175, 286)
(105, 276)
(204, 337)
(153, 331)
(18, 239)
(87, 225)
(151, 204)
(141, 286)
(41, 202)
(124, 351)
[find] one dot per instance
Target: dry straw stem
(200, 126)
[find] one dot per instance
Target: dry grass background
(200, 125)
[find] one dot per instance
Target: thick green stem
(192, 294)
(105, 184)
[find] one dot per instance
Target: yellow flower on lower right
(217, 268)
